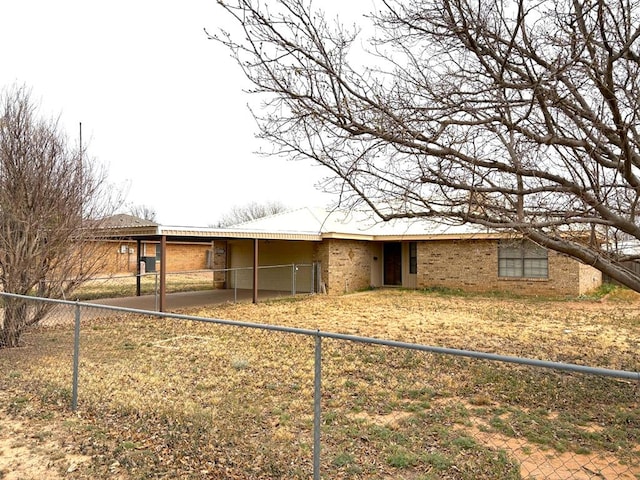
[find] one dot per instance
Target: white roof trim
(318, 224)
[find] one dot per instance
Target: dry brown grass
(124, 285)
(594, 332)
(173, 399)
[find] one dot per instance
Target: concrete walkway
(176, 301)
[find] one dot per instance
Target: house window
(158, 252)
(413, 257)
(522, 259)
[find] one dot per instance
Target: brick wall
(590, 278)
(121, 257)
(472, 265)
(186, 256)
(346, 265)
(118, 257)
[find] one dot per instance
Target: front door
(392, 263)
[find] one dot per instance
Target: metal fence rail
(346, 401)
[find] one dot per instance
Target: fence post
(76, 359)
(293, 279)
(156, 292)
(317, 416)
(235, 286)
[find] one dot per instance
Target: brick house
(356, 252)
(128, 241)
(351, 251)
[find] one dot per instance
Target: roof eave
(247, 234)
(415, 237)
(126, 231)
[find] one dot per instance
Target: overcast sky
(161, 106)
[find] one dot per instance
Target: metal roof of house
(316, 224)
(319, 223)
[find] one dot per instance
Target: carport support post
(255, 270)
(138, 270)
(163, 271)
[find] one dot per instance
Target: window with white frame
(522, 259)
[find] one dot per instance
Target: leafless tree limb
(510, 114)
(51, 197)
(251, 211)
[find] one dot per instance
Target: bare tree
(515, 115)
(143, 211)
(250, 211)
(48, 192)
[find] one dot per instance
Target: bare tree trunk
(15, 315)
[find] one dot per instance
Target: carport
(132, 229)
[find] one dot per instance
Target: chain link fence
(291, 278)
(288, 279)
(114, 286)
(180, 396)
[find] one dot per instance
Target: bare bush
(51, 197)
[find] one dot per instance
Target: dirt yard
(41, 438)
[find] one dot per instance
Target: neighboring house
(130, 241)
(351, 252)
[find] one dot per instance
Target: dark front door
(392, 263)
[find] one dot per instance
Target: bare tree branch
(51, 197)
(250, 211)
(514, 115)
(143, 211)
